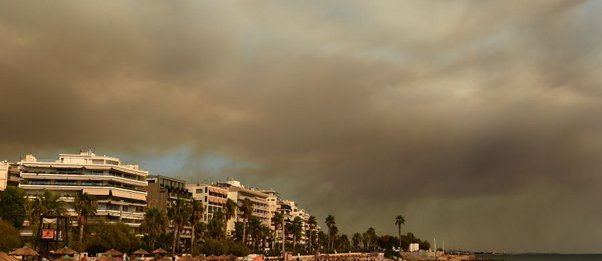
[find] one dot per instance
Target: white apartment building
(238, 193)
(213, 198)
(3, 175)
(120, 189)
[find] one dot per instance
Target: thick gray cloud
(475, 119)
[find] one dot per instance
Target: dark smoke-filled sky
(479, 121)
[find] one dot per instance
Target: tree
(371, 238)
(12, 206)
(197, 213)
(365, 240)
(179, 212)
(277, 220)
(229, 212)
(85, 205)
(356, 239)
(295, 229)
(254, 231)
(102, 236)
(215, 227)
(247, 212)
(155, 224)
(312, 223)
(322, 240)
(399, 220)
(343, 244)
(10, 238)
(48, 203)
(330, 223)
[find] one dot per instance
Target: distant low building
(414, 247)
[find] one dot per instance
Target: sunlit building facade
(120, 189)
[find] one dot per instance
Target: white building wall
(3, 175)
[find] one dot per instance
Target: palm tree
(330, 223)
(179, 212)
(399, 220)
(277, 219)
(230, 212)
(356, 239)
(48, 203)
(197, 213)
(155, 224)
(371, 233)
(85, 205)
(254, 230)
(247, 212)
(312, 222)
(296, 229)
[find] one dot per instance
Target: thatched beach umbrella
(159, 251)
(113, 253)
(24, 252)
(6, 257)
(140, 252)
(105, 258)
(65, 251)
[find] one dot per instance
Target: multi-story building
(120, 189)
(238, 193)
(162, 192)
(9, 175)
(212, 198)
(3, 175)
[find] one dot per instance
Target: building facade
(120, 189)
(238, 193)
(212, 198)
(162, 193)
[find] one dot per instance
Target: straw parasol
(113, 252)
(140, 252)
(65, 251)
(5, 257)
(159, 251)
(24, 251)
(105, 258)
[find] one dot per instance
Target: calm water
(546, 257)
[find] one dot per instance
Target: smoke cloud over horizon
(476, 120)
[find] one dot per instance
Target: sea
(544, 257)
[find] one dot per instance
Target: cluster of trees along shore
(207, 238)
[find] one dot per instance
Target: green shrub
(10, 238)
